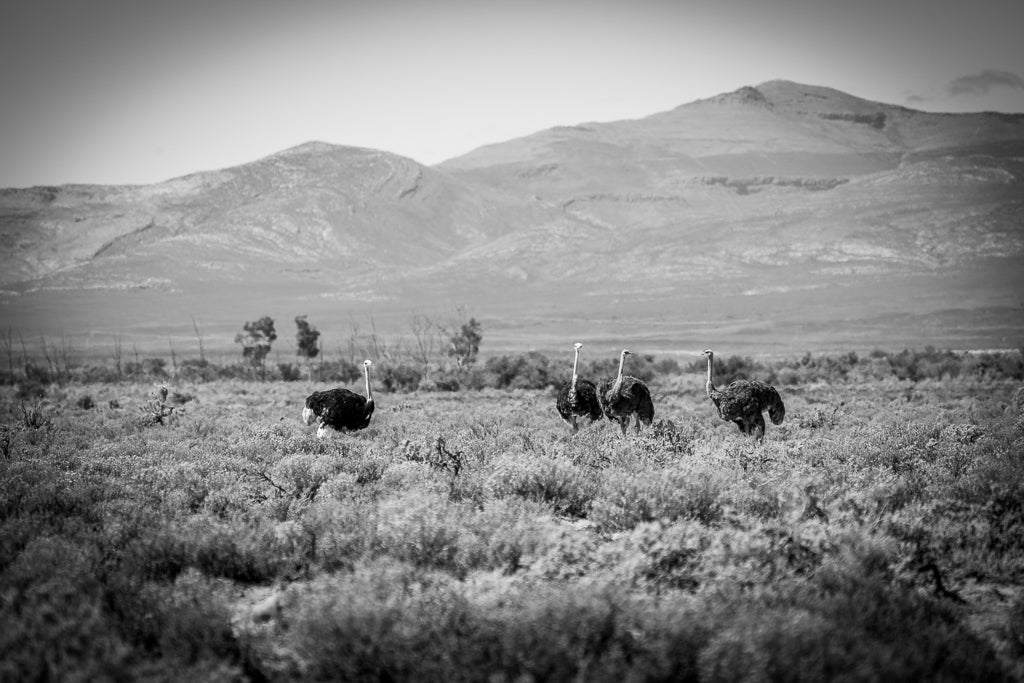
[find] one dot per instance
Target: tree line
(463, 345)
(446, 357)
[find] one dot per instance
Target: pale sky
(139, 91)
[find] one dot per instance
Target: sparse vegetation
(876, 120)
(746, 186)
(466, 536)
(403, 369)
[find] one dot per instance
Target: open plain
(207, 534)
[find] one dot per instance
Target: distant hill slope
(778, 130)
(357, 209)
(723, 193)
(776, 207)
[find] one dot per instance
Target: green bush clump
(524, 371)
(186, 623)
(400, 377)
(457, 537)
(54, 615)
(197, 370)
(386, 621)
(629, 498)
(289, 372)
(553, 481)
(382, 622)
(1015, 628)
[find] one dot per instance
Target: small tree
(465, 344)
(199, 336)
(256, 339)
(308, 342)
(8, 343)
(427, 340)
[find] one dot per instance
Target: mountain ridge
(765, 202)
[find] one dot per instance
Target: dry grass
(874, 535)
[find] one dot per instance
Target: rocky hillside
(356, 209)
(777, 205)
(772, 188)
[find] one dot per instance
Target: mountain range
(774, 219)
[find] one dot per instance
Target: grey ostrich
(340, 409)
(578, 397)
(744, 400)
(626, 396)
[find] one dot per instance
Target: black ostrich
(744, 400)
(340, 409)
(578, 397)
(626, 396)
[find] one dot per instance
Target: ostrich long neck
(572, 383)
(618, 380)
(710, 386)
(366, 377)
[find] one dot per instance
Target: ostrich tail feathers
(776, 409)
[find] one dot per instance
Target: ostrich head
(707, 352)
(575, 364)
(310, 412)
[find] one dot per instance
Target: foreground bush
(390, 622)
(470, 536)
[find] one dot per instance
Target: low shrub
(400, 377)
(383, 621)
(289, 372)
(1015, 628)
(185, 623)
(525, 371)
(627, 499)
(386, 621)
(472, 536)
(197, 370)
(560, 484)
(61, 625)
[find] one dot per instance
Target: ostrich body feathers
(632, 398)
(744, 401)
(339, 409)
(583, 402)
(578, 397)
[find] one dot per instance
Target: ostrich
(578, 397)
(626, 396)
(340, 409)
(744, 400)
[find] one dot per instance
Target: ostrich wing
(744, 398)
(776, 408)
(343, 409)
(602, 395)
(630, 395)
(586, 403)
(645, 404)
(562, 402)
(587, 400)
